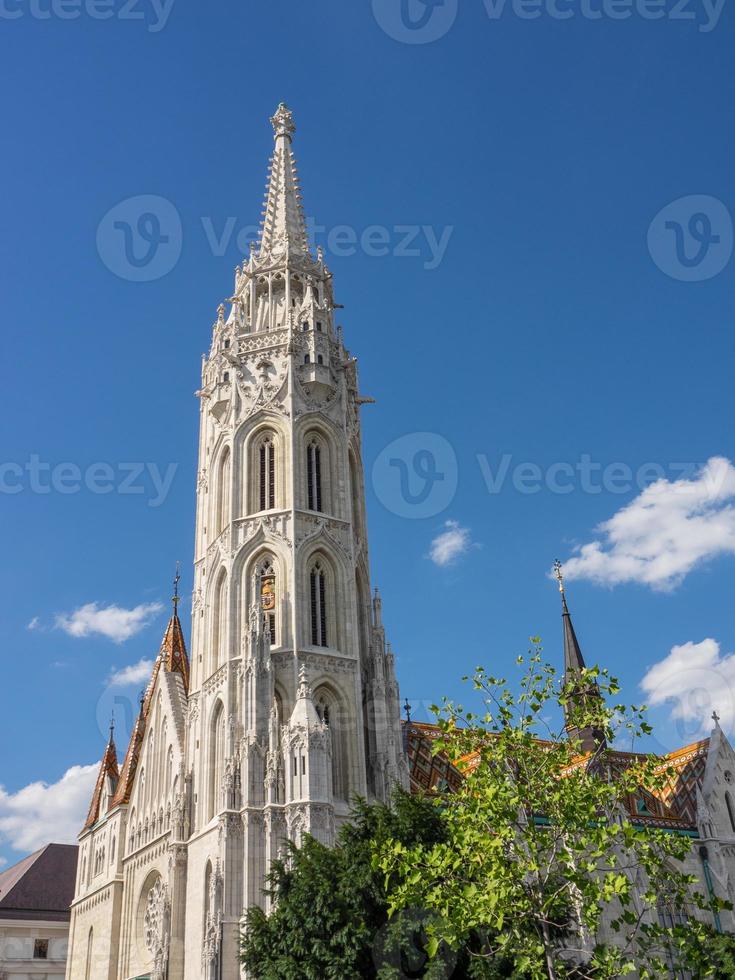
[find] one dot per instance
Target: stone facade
(289, 705)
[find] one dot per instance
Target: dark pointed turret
(590, 738)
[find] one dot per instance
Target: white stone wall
(17, 940)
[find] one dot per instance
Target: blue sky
(557, 323)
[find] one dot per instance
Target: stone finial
(304, 689)
(282, 121)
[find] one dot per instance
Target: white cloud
(669, 529)
(134, 674)
(115, 623)
(34, 624)
(695, 679)
(448, 546)
(41, 813)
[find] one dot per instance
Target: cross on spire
(715, 717)
(407, 709)
(559, 575)
(176, 598)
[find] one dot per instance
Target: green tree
(540, 845)
(330, 920)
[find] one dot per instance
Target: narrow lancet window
(267, 474)
(318, 607)
(314, 476)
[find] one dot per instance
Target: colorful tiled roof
(675, 808)
(684, 770)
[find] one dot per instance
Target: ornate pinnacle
(304, 691)
(282, 121)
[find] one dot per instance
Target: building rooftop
(41, 886)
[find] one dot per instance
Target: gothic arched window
(216, 759)
(90, 945)
(318, 595)
(169, 771)
(207, 889)
(266, 474)
(314, 475)
(329, 709)
(222, 506)
(355, 497)
(730, 810)
(267, 588)
(219, 622)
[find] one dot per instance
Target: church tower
(293, 703)
(288, 706)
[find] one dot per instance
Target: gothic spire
(108, 771)
(573, 659)
(172, 658)
(283, 232)
(573, 665)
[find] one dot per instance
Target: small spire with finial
(176, 598)
(559, 575)
(112, 728)
(407, 709)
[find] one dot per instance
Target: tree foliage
(330, 919)
(540, 849)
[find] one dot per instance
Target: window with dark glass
(318, 607)
(267, 475)
(314, 475)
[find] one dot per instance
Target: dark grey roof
(573, 659)
(41, 886)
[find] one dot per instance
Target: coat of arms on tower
(268, 593)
